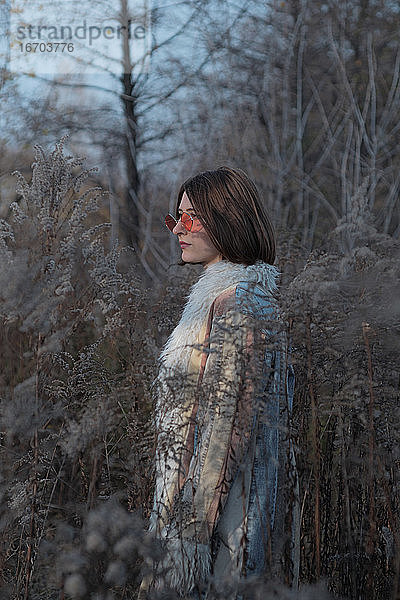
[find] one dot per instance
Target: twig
(316, 451)
(30, 551)
(371, 540)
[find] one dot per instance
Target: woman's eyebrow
(186, 210)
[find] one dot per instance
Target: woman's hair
(228, 205)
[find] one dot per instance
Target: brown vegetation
(308, 104)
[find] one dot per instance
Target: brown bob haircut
(228, 205)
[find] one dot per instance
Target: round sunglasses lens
(170, 222)
(186, 221)
(196, 226)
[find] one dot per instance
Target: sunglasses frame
(191, 222)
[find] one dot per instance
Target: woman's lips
(184, 244)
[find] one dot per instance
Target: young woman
(223, 399)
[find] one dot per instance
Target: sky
(73, 41)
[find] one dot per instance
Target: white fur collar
(215, 279)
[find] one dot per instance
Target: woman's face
(196, 246)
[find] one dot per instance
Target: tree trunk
(129, 213)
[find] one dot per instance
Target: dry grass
(79, 341)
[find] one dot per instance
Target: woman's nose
(178, 227)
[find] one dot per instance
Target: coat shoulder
(248, 298)
(257, 301)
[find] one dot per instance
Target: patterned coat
(223, 400)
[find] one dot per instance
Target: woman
(223, 398)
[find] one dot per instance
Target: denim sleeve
(274, 405)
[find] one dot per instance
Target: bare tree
(310, 107)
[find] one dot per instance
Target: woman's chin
(186, 255)
(187, 258)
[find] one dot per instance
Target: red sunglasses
(187, 221)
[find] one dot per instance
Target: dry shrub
(343, 308)
(79, 338)
(76, 365)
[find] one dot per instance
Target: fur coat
(223, 398)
